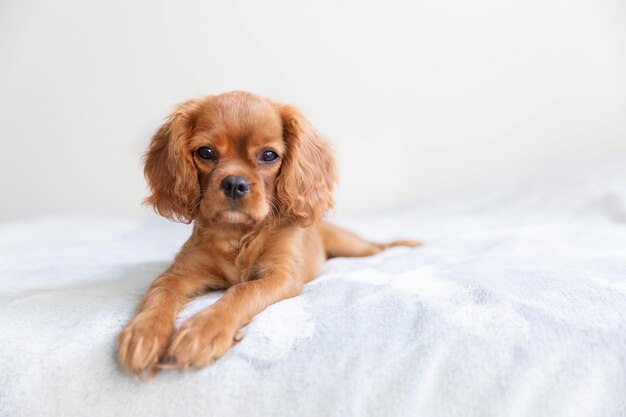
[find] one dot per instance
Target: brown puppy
(256, 179)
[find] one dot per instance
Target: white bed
(516, 306)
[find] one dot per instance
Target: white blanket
(516, 306)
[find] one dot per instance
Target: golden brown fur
(261, 248)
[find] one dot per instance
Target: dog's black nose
(235, 187)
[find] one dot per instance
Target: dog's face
(237, 148)
(239, 159)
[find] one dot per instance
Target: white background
(419, 98)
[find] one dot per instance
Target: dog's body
(256, 178)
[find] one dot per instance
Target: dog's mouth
(234, 215)
(234, 212)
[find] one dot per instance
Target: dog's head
(237, 158)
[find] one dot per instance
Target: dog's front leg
(209, 334)
(144, 340)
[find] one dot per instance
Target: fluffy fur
(261, 248)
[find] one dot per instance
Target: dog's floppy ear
(308, 174)
(169, 167)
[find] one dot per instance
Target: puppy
(255, 178)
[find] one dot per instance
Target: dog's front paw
(203, 339)
(142, 344)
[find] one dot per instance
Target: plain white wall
(419, 98)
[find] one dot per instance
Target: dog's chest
(235, 260)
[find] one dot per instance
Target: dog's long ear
(308, 175)
(169, 167)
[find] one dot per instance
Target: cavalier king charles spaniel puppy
(256, 179)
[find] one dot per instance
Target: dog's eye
(268, 156)
(206, 153)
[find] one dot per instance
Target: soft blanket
(515, 306)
